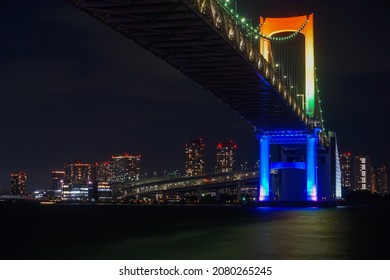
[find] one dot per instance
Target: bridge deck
(187, 35)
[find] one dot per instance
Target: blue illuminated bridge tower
(266, 73)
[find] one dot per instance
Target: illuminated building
(77, 192)
(102, 171)
(18, 183)
(78, 173)
(77, 185)
(346, 161)
(195, 157)
(104, 192)
(381, 186)
(58, 179)
(363, 173)
(102, 174)
(125, 168)
(226, 154)
(48, 194)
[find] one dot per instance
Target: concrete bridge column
(264, 174)
(217, 195)
(199, 193)
(311, 167)
(163, 195)
(115, 193)
(238, 191)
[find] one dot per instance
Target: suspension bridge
(266, 73)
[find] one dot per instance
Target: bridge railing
(241, 36)
(185, 182)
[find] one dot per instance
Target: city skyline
(98, 170)
(210, 167)
(78, 90)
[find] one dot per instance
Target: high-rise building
(102, 171)
(381, 186)
(226, 156)
(363, 173)
(195, 157)
(18, 183)
(58, 179)
(78, 182)
(346, 163)
(78, 173)
(125, 168)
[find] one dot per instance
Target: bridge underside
(179, 34)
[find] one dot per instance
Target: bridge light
(243, 19)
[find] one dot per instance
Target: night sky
(73, 89)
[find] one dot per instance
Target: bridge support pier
(311, 167)
(238, 191)
(217, 195)
(308, 142)
(164, 195)
(264, 174)
(199, 193)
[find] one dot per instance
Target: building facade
(124, 168)
(102, 172)
(363, 173)
(58, 179)
(78, 182)
(381, 185)
(195, 157)
(18, 183)
(78, 173)
(226, 156)
(346, 164)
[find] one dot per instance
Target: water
(193, 232)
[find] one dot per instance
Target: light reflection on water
(311, 233)
(200, 232)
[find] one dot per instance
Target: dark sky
(73, 89)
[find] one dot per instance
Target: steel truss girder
(211, 42)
